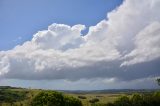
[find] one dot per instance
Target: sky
(20, 19)
(80, 45)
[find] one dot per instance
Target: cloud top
(119, 47)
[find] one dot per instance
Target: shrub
(48, 98)
(11, 96)
(71, 101)
(94, 100)
(138, 100)
(82, 97)
(122, 101)
(98, 104)
(52, 98)
(110, 104)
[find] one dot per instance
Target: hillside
(14, 96)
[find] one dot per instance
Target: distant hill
(9, 87)
(110, 91)
(93, 91)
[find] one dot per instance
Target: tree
(158, 81)
(52, 98)
(11, 101)
(137, 100)
(71, 101)
(48, 98)
(94, 100)
(122, 101)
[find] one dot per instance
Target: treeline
(52, 98)
(138, 100)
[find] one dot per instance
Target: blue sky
(41, 42)
(20, 19)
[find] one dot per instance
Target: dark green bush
(123, 101)
(48, 98)
(11, 96)
(110, 104)
(98, 104)
(138, 100)
(82, 97)
(94, 100)
(51, 98)
(71, 101)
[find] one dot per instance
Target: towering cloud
(147, 45)
(118, 48)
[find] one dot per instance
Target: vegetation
(94, 100)
(71, 101)
(52, 98)
(31, 97)
(47, 98)
(138, 100)
(11, 96)
(158, 81)
(82, 97)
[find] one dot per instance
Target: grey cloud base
(97, 70)
(124, 47)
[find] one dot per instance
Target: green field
(103, 98)
(28, 94)
(22, 97)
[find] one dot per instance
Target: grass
(26, 93)
(103, 98)
(30, 93)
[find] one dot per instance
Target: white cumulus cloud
(129, 36)
(147, 45)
